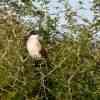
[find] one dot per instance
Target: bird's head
(34, 35)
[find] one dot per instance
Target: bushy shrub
(71, 74)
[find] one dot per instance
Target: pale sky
(56, 8)
(86, 4)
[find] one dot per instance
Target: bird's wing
(44, 52)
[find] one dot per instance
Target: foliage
(72, 71)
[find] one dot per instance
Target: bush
(71, 74)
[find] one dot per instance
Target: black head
(30, 33)
(34, 33)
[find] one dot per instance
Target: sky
(56, 8)
(87, 4)
(86, 13)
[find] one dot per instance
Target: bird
(35, 47)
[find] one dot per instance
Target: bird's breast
(33, 47)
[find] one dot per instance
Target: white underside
(34, 47)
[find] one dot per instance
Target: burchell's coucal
(35, 47)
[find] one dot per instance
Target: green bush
(71, 74)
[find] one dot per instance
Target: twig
(69, 83)
(59, 66)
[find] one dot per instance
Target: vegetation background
(73, 72)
